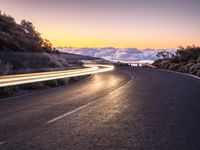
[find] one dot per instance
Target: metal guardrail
(10, 80)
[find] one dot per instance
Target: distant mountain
(116, 54)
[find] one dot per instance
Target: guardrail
(10, 80)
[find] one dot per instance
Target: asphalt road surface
(127, 108)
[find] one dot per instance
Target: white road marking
(181, 73)
(86, 105)
(71, 112)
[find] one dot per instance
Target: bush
(21, 37)
(198, 60)
(75, 79)
(62, 81)
(51, 83)
(174, 66)
(186, 60)
(31, 86)
(6, 91)
(121, 64)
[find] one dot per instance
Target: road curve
(127, 108)
(10, 80)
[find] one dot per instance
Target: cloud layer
(117, 54)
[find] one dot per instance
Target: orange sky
(117, 23)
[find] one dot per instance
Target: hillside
(23, 50)
(21, 37)
(78, 57)
(185, 60)
(20, 62)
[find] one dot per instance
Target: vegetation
(164, 54)
(19, 62)
(21, 37)
(121, 64)
(6, 91)
(185, 60)
(23, 50)
(20, 89)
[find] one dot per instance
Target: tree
(21, 37)
(47, 46)
(188, 53)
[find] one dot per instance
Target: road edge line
(181, 73)
(88, 104)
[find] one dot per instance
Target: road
(128, 108)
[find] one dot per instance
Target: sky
(111, 23)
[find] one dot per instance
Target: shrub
(31, 86)
(198, 60)
(51, 83)
(21, 37)
(62, 81)
(6, 91)
(186, 60)
(174, 66)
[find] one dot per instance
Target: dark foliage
(21, 37)
(121, 64)
(6, 91)
(37, 86)
(186, 60)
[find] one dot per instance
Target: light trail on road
(11, 80)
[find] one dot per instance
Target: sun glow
(131, 23)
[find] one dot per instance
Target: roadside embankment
(12, 91)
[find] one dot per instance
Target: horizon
(172, 48)
(118, 24)
(142, 49)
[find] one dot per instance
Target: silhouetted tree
(188, 53)
(21, 37)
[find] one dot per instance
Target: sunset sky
(117, 23)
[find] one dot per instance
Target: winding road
(127, 108)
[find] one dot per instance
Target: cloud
(117, 54)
